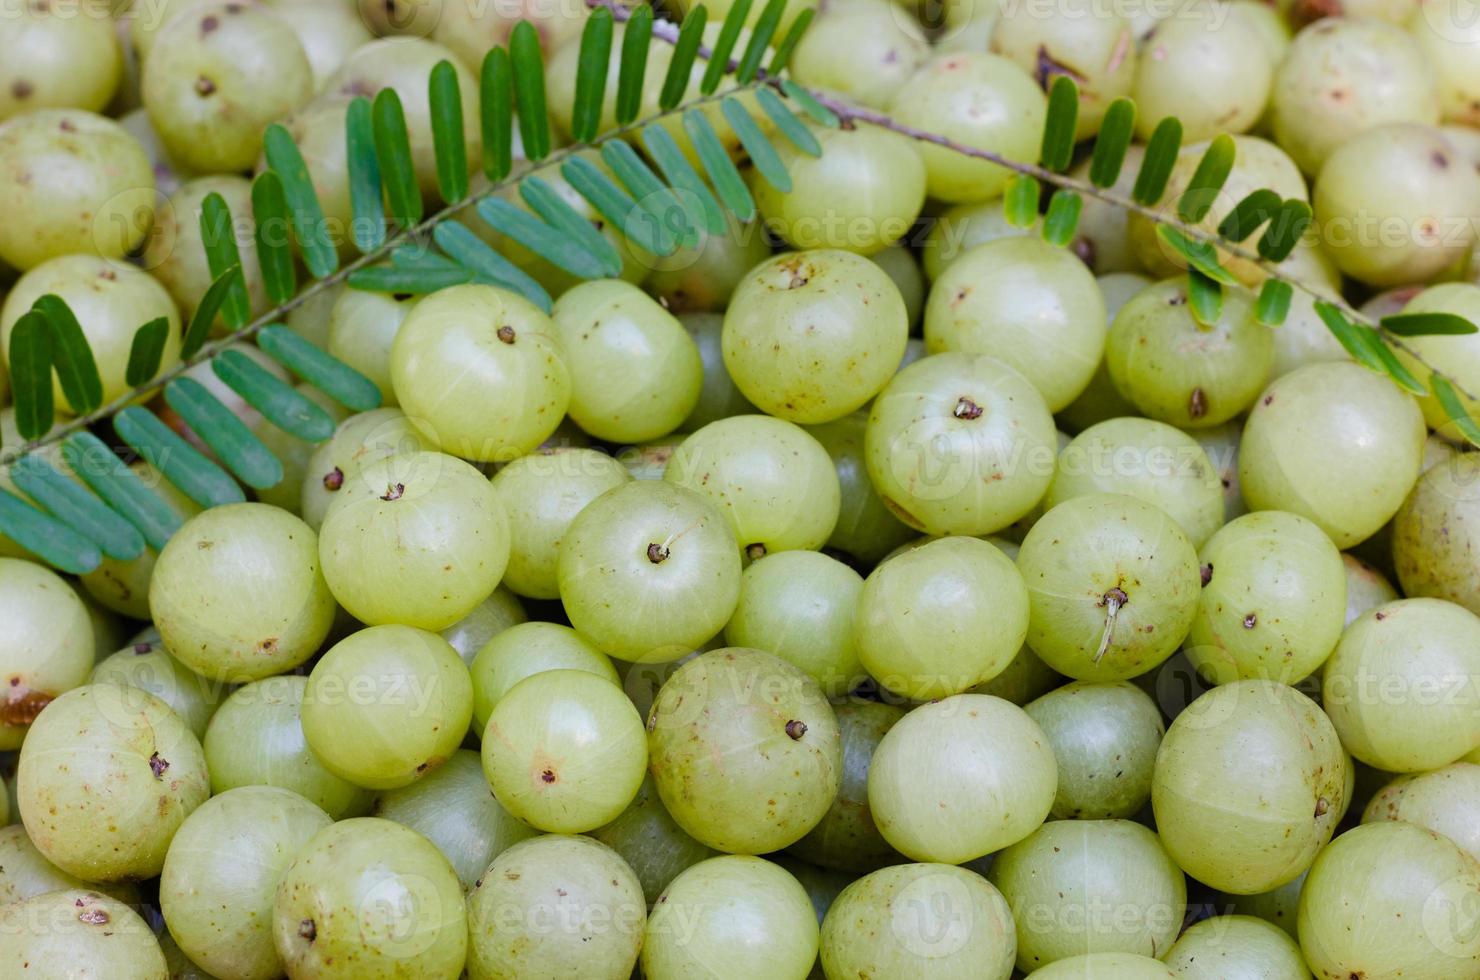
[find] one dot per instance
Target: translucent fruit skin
(1366, 588)
(488, 619)
(1080, 553)
(1090, 886)
(731, 916)
(935, 921)
(971, 753)
(1104, 737)
(653, 845)
(1098, 44)
(1105, 966)
(638, 609)
(1236, 947)
(865, 529)
(866, 52)
(1206, 69)
(1250, 782)
(221, 873)
(387, 704)
(478, 395)
(1033, 305)
(565, 751)
(362, 329)
(58, 61)
(418, 540)
(47, 645)
(1273, 603)
(81, 932)
(105, 778)
(368, 899)
(1401, 686)
(592, 927)
(1335, 443)
(1417, 913)
(238, 593)
(149, 667)
(942, 618)
(357, 442)
(524, 650)
(960, 444)
(1435, 534)
(810, 336)
(635, 372)
(1445, 800)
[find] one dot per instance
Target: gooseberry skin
(1434, 534)
(1335, 443)
(106, 776)
(984, 101)
(256, 739)
(811, 336)
(1100, 554)
(942, 618)
(934, 921)
(1273, 601)
(489, 618)
(733, 915)
(362, 330)
(1418, 911)
(653, 845)
(357, 442)
(78, 933)
(1104, 737)
(1105, 966)
(801, 606)
(1209, 71)
(635, 373)
(744, 750)
(1095, 47)
(149, 667)
(865, 51)
(57, 59)
(1250, 782)
(238, 593)
(368, 899)
(960, 444)
(418, 540)
(1445, 800)
(475, 393)
(1031, 304)
(1059, 881)
(1458, 353)
(866, 530)
(220, 877)
(524, 650)
(649, 571)
(1148, 460)
(591, 929)
(46, 648)
(1236, 947)
(971, 753)
(1400, 687)
(565, 751)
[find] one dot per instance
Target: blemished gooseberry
(524, 650)
(981, 99)
(46, 647)
(962, 227)
(1434, 534)
(1400, 687)
(865, 51)
(811, 336)
(256, 739)
(149, 667)
(452, 807)
(733, 915)
(1180, 372)
(1029, 303)
(386, 705)
(291, 451)
(1090, 886)
(701, 279)
(744, 750)
(221, 873)
(846, 838)
(1104, 736)
(362, 329)
(919, 920)
(801, 606)
(26, 873)
(960, 444)
(78, 932)
(774, 483)
(1206, 69)
(1445, 800)
(357, 442)
(941, 618)
(1241, 819)
(1236, 947)
(591, 927)
(1273, 600)
(564, 751)
(635, 373)
(480, 370)
(417, 540)
(57, 59)
(106, 776)
(649, 571)
(1366, 588)
(866, 530)
(1419, 908)
(1148, 460)
(238, 593)
(488, 619)
(1112, 586)
(1335, 443)
(1099, 44)
(969, 754)
(370, 898)
(652, 844)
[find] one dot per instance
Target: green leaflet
(1273, 304)
(1057, 150)
(77, 508)
(1204, 298)
(71, 355)
(181, 463)
(1062, 219)
(1367, 347)
(330, 375)
(365, 190)
(636, 39)
(303, 203)
(1426, 324)
(147, 351)
(529, 90)
(30, 375)
(1207, 180)
(1112, 143)
(393, 150)
(228, 436)
(1157, 164)
(219, 239)
(595, 55)
(1454, 408)
(46, 537)
(451, 150)
(719, 55)
(1020, 201)
(486, 265)
(277, 400)
(271, 222)
(120, 488)
(496, 107)
(205, 313)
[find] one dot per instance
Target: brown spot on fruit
(756, 551)
(1207, 573)
(967, 409)
(158, 765)
(506, 334)
(394, 492)
(334, 479)
(204, 87)
(22, 89)
(1250, 621)
(22, 705)
(308, 930)
(548, 776)
(1322, 805)
(795, 729)
(657, 553)
(93, 917)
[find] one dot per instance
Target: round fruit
(1236, 947)
(702, 278)
(1094, 47)
(1104, 737)
(960, 228)
(328, 32)
(525, 650)
(176, 255)
(470, 27)
(149, 667)
(488, 619)
(362, 330)
(47, 645)
(1205, 68)
(358, 441)
(863, 50)
(651, 843)
(1105, 966)
(25, 873)
(57, 58)
(1434, 534)
(77, 933)
(969, 754)
(866, 530)
(1445, 801)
